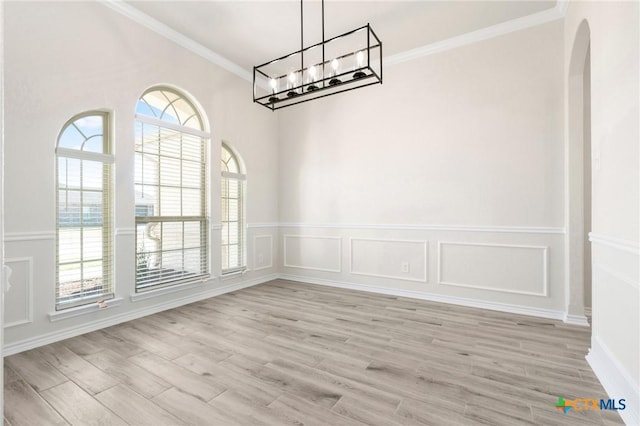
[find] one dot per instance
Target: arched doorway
(578, 180)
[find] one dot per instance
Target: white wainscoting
(389, 258)
(18, 306)
(313, 252)
(262, 252)
(519, 269)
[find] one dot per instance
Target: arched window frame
(172, 238)
(88, 255)
(233, 202)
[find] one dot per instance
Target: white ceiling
(249, 33)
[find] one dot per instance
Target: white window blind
(232, 209)
(84, 215)
(170, 188)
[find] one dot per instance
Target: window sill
(137, 297)
(83, 310)
(234, 274)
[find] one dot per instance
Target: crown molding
(543, 17)
(177, 37)
(561, 7)
(486, 33)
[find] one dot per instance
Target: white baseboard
(615, 380)
(45, 339)
(66, 333)
(472, 303)
(580, 320)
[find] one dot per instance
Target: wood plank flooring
(287, 353)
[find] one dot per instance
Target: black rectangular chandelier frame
(266, 85)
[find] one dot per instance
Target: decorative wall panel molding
(18, 303)
(262, 252)
(317, 253)
(389, 258)
(519, 269)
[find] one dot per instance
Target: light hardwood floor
(291, 353)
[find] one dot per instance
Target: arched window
(170, 191)
(233, 222)
(84, 211)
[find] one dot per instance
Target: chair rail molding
(616, 243)
(428, 227)
(11, 237)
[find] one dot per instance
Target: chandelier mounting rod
(323, 60)
(301, 35)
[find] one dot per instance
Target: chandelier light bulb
(274, 88)
(292, 83)
(335, 80)
(359, 65)
(334, 65)
(312, 79)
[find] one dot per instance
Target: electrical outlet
(404, 267)
(260, 258)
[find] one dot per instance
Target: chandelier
(345, 62)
